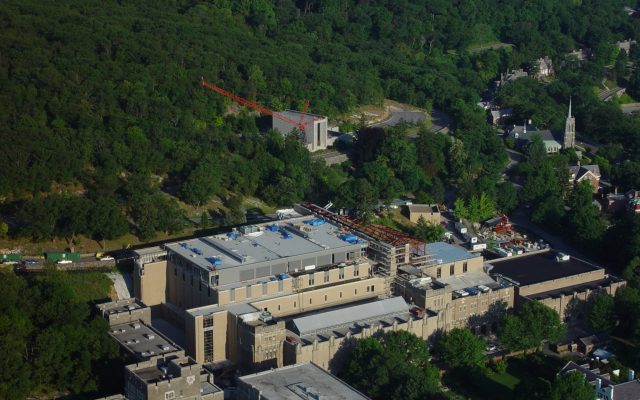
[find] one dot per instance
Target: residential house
(633, 201)
(626, 45)
(524, 134)
(511, 76)
(544, 67)
(590, 173)
(605, 388)
(580, 55)
(497, 117)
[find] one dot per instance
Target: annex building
(559, 281)
(315, 135)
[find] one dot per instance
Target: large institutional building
(304, 289)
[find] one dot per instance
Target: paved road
(514, 158)
(489, 47)
(630, 108)
(410, 117)
(439, 121)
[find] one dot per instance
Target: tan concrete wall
(431, 217)
(561, 282)
(474, 264)
(261, 346)
(194, 337)
(323, 297)
(576, 307)
(482, 309)
(150, 283)
(332, 353)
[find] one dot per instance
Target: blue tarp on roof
(315, 222)
(214, 260)
(349, 238)
(232, 235)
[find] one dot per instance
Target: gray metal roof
(347, 315)
(260, 246)
(448, 253)
(300, 381)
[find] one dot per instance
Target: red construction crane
(298, 124)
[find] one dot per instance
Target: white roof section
(303, 117)
(301, 381)
(262, 245)
(347, 315)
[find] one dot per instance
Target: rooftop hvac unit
(149, 336)
(265, 316)
(562, 257)
(135, 325)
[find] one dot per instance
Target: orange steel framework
(298, 124)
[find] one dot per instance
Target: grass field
(488, 384)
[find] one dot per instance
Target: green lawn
(488, 384)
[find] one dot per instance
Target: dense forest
(51, 342)
(102, 110)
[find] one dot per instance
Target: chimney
(578, 164)
(529, 122)
(631, 374)
(524, 127)
(598, 385)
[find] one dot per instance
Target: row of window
(312, 278)
(452, 270)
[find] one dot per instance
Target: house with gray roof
(605, 388)
(589, 173)
(524, 134)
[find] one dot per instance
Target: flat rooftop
(470, 279)
(423, 208)
(287, 240)
(141, 340)
(149, 250)
(155, 373)
(539, 267)
(445, 253)
(351, 318)
(297, 115)
(301, 381)
(120, 306)
(347, 315)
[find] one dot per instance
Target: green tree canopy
(394, 366)
(572, 386)
(460, 348)
(532, 324)
(602, 317)
(428, 232)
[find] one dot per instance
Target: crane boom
(299, 124)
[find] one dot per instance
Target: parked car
(30, 262)
(107, 258)
(64, 262)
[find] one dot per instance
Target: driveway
(410, 117)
